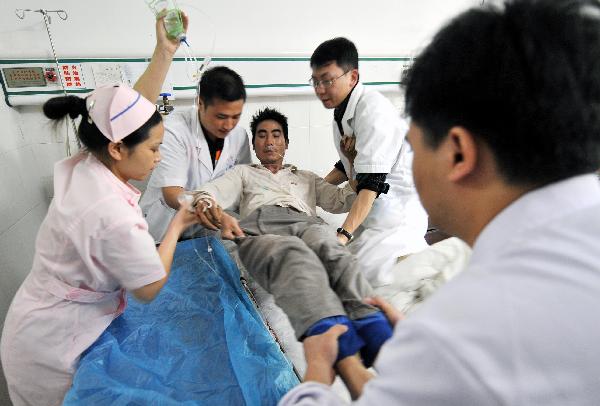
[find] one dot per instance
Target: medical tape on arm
(206, 198)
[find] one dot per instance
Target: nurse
(92, 246)
(386, 220)
(200, 143)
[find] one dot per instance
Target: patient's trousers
(298, 259)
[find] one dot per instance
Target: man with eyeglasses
(386, 221)
(506, 143)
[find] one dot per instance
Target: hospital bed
(202, 341)
(416, 277)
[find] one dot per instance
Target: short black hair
(524, 79)
(269, 114)
(340, 50)
(221, 83)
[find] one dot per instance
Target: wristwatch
(345, 233)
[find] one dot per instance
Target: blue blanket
(200, 342)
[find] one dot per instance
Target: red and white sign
(72, 75)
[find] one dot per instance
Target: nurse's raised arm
(151, 81)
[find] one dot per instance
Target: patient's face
(269, 142)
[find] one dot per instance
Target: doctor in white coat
(387, 220)
(519, 326)
(199, 144)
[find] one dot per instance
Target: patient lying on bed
(287, 249)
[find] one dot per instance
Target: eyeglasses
(326, 83)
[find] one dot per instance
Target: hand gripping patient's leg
(295, 275)
(351, 287)
(349, 343)
(375, 329)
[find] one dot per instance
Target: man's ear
(116, 150)
(464, 153)
(354, 77)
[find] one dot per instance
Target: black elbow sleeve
(340, 166)
(372, 181)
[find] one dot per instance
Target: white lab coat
(186, 163)
(519, 326)
(93, 243)
(397, 223)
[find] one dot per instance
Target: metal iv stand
(62, 14)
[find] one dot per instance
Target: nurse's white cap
(118, 110)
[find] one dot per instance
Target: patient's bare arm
(336, 177)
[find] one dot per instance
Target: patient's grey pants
(298, 259)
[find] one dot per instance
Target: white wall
(114, 28)
(26, 154)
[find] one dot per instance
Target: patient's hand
(209, 215)
(392, 314)
(230, 228)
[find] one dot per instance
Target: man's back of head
(524, 79)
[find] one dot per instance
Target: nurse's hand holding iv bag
(150, 83)
(171, 24)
